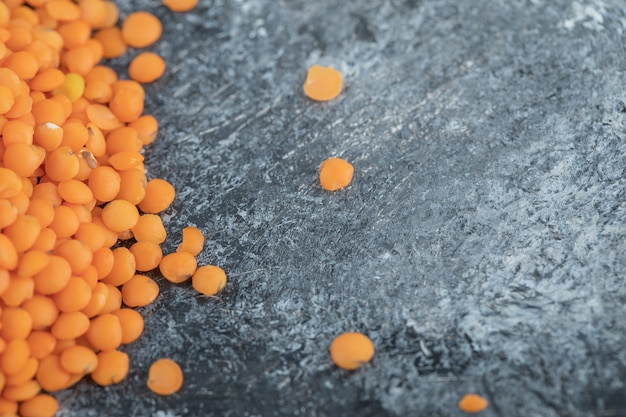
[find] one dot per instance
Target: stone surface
(481, 244)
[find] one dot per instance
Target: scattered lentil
(351, 350)
(165, 377)
(472, 403)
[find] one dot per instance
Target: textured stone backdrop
(481, 245)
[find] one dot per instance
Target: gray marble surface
(481, 244)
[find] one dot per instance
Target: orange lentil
(79, 60)
(41, 343)
(23, 158)
(98, 91)
(42, 210)
(126, 160)
(103, 73)
(92, 11)
(23, 63)
(101, 116)
(147, 128)
(178, 267)
(123, 268)
(132, 186)
(25, 13)
(7, 99)
(66, 103)
(74, 297)
(46, 57)
(48, 111)
(10, 183)
(42, 310)
(103, 260)
(141, 29)
(91, 234)
(36, 96)
(19, 290)
(20, 202)
(110, 235)
(322, 83)
(8, 407)
(78, 360)
(126, 105)
(41, 405)
(48, 192)
(131, 322)
(351, 350)
(79, 109)
(47, 80)
(75, 135)
(112, 367)
(26, 373)
(139, 291)
(62, 10)
(54, 277)
(16, 323)
(65, 222)
(165, 377)
(105, 183)
(32, 262)
(96, 143)
(70, 325)
(76, 253)
(146, 67)
(112, 42)
(120, 215)
(48, 135)
(27, 186)
(21, 107)
(208, 279)
(147, 254)
(192, 241)
(74, 191)
(83, 213)
(63, 344)
(113, 301)
(20, 37)
(159, 195)
(149, 227)
(23, 232)
(61, 164)
(472, 403)
(120, 85)
(97, 301)
(96, 49)
(8, 213)
(335, 173)
(180, 5)
(105, 332)
(8, 254)
(22, 392)
(90, 275)
(86, 163)
(74, 33)
(10, 79)
(51, 375)
(111, 14)
(17, 131)
(14, 356)
(123, 139)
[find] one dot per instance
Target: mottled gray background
(481, 244)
